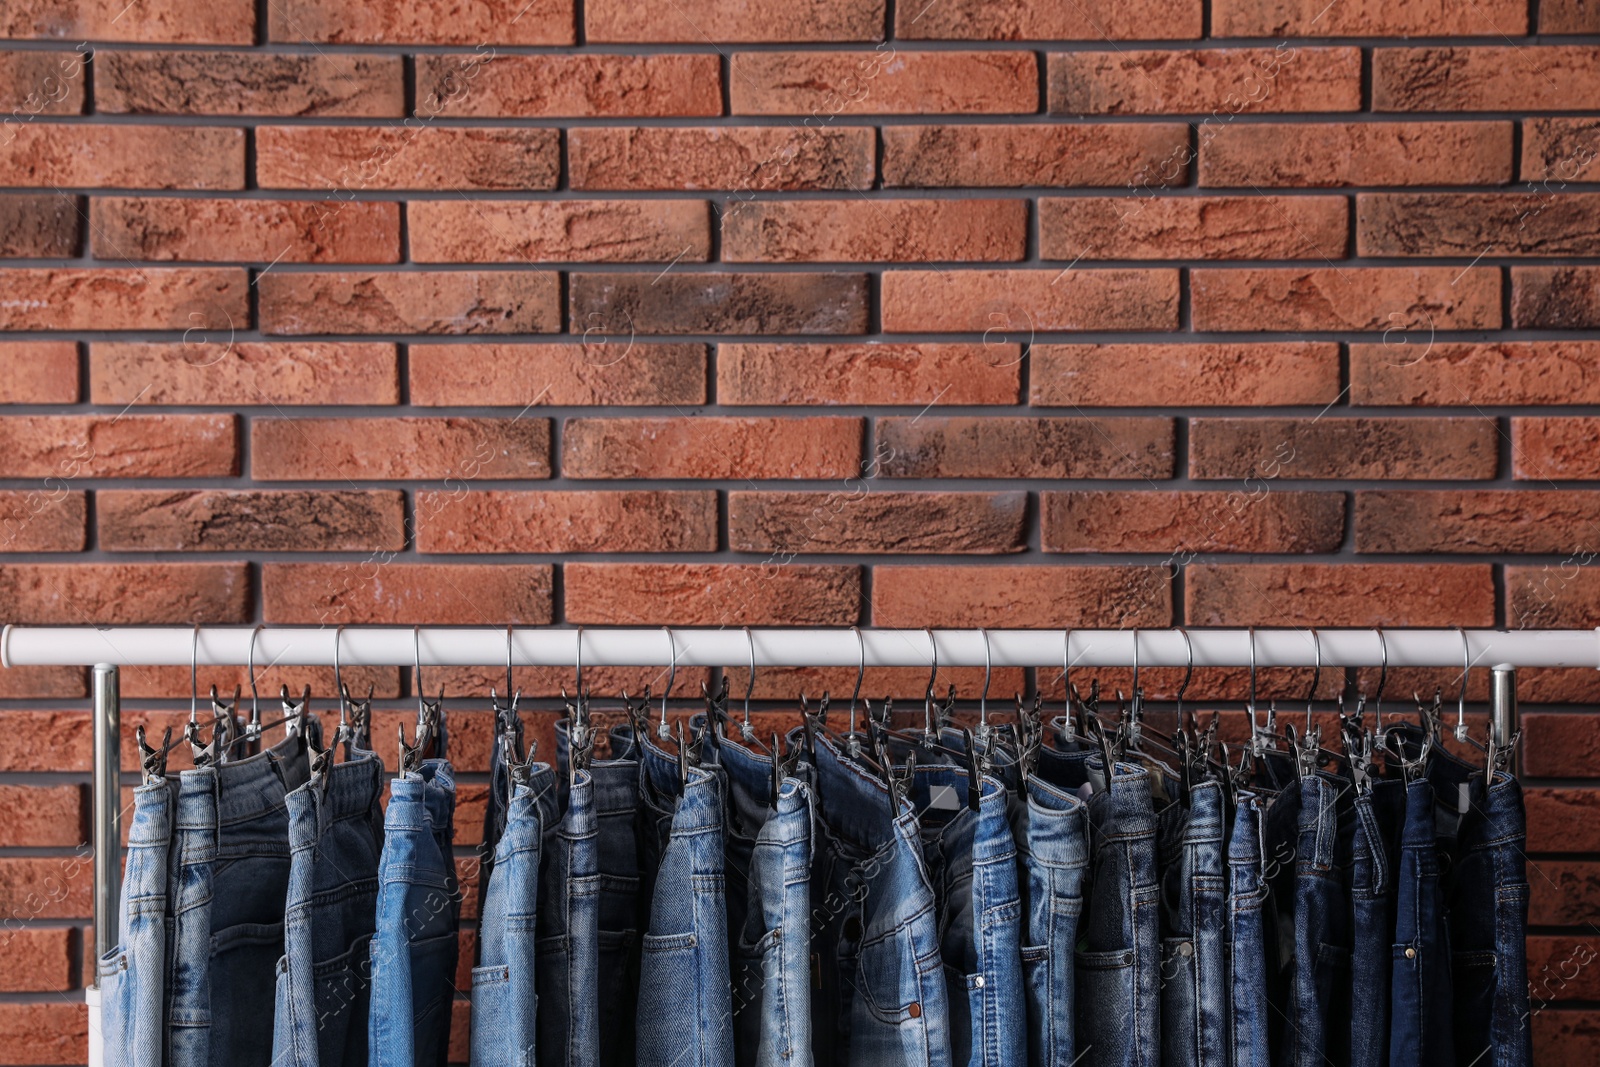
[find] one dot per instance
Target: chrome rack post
(1503, 700)
(107, 825)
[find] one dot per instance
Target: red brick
(701, 21)
(1193, 227)
(33, 682)
(1557, 151)
(385, 593)
(1558, 685)
(901, 683)
(247, 83)
(38, 372)
(1392, 299)
(1560, 746)
(195, 299)
(481, 301)
(53, 741)
(897, 231)
(38, 959)
(1020, 597)
(549, 681)
(580, 86)
(463, 449)
(1454, 448)
(1526, 521)
(533, 231)
(42, 83)
(1563, 595)
(63, 447)
(250, 520)
(1471, 224)
(1220, 374)
(1560, 820)
(109, 594)
(40, 226)
(638, 520)
(1561, 972)
(1339, 594)
(348, 159)
(1365, 18)
(869, 374)
(47, 519)
(1244, 521)
(507, 22)
(739, 158)
(603, 370)
(1564, 893)
(1569, 16)
(1255, 154)
(163, 682)
(1018, 302)
(46, 1033)
(884, 81)
(1221, 82)
(1555, 449)
(1053, 156)
(712, 447)
(156, 21)
(1555, 298)
(991, 446)
(461, 1023)
(858, 520)
(51, 155)
(1491, 373)
(267, 231)
(712, 594)
(682, 302)
(1488, 78)
(243, 373)
(1025, 20)
(41, 816)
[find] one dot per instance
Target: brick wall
(890, 312)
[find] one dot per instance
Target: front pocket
(889, 979)
(668, 1014)
(491, 1015)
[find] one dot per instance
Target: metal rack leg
(107, 830)
(1503, 700)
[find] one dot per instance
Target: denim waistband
(786, 826)
(1123, 809)
(1504, 817)
(1206, 811)
(1058, 826)
(747, 770)
(616, 785)
(196, 807)
(1452, 777)
(1245, 845)
(853, 805)
(422, 799)
(349, 788)
(151, 823)
(256, 785)
(993, 841)
(1319, 819)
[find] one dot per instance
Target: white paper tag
(943, 797)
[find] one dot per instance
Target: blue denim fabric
(1119, 963)
(1250, 1042)
(1379, 814)
(621, 904)
(569, 933)
(1194, 975)
(324, 980)
(505, 984)
(131, 975)
(415, 948)
(1419, 1029)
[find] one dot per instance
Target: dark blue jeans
(1420, 1010)
(1374, 866)
(131, 975)
(1247, 897)
(1194, 977)
(1051, 827)
(568, 923)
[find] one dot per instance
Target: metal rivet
(915, 1011)
(1186, 949)
(978, 982)
(1411, 953)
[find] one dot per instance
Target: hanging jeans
(620, 905)
(1247, 897)
(568, 959)
(324, 977)
(1420, 1032)
(1379, 813)
(415, 948)
(131, 996)
(229, 880)
(1194, 975)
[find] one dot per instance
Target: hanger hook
(1461, 697)
(250, 666)
(1383, 676)
(508, 664)
(416, 650)
(983, 698)
(861, 673)
(194, 666)
(927, 697)
(338, 675)
(672, 674)
(750, 682)
(1316, 676)
(1066, 669)
(1188, 670)
(1136, 700)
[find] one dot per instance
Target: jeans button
(978, 982)
(915, 1011)
(1186, 949)
(1411, 953)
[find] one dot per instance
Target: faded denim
(1249, 1038)
(131, 975)
(1194, 975)
(1379, 813)
(1419, 1029)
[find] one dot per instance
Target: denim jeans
(1119, 963)
(1419, 1028)
(1379, 813)
(130, 975)
(567, 923)
(229, 878)
(1194, 975)
(505, 1004)
(324, 978)
(1247, 897)
(416, 947)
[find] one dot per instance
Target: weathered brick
(1021, 597)
(1561, 150)
(1339, 594)
(386, 593)
(1558, 745)
(1558, 448)
(884, 81)
(1365, 18)
(348, 159)
(52, 741)
(196, 299)
(1193, 227)
(38, 959)
(243, 373)
(45, 226)
(739, 158)
(1569, 16)
(1528, 521)
(42, 83)
(1565, 893)
(156, 21)
(484, 301)
(637, 520)
(41, 816)
(45, 519)
(51, 1032)
(617, 231)
(54, 155)
(1555, 298)
(1496, 372)
(1018, 302)
(1486, 78)
(1266, 154)
(1391, 299)
(817, 447)
(612, 370)
(580, 86)
(38, 372)
(109, 594)
(64, 447)
(856, 520)
(267, 231)
(1220, 374)
(712, 594)
(1031, 20)
(1052, 156)
(249, 83)
(250, 520)
(897, 231)
(873, 373)
(990, 446)
(462, 449)
(1245, 521)
(1471, 224)
(699, 21)
(30, 683)
(681, 302)
(1205, 81)
(1464, 447)
(1561, 968)
(509, 22)
(1563, 595)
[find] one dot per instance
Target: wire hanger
(429, 733)
(580, 734)
(746, 730)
